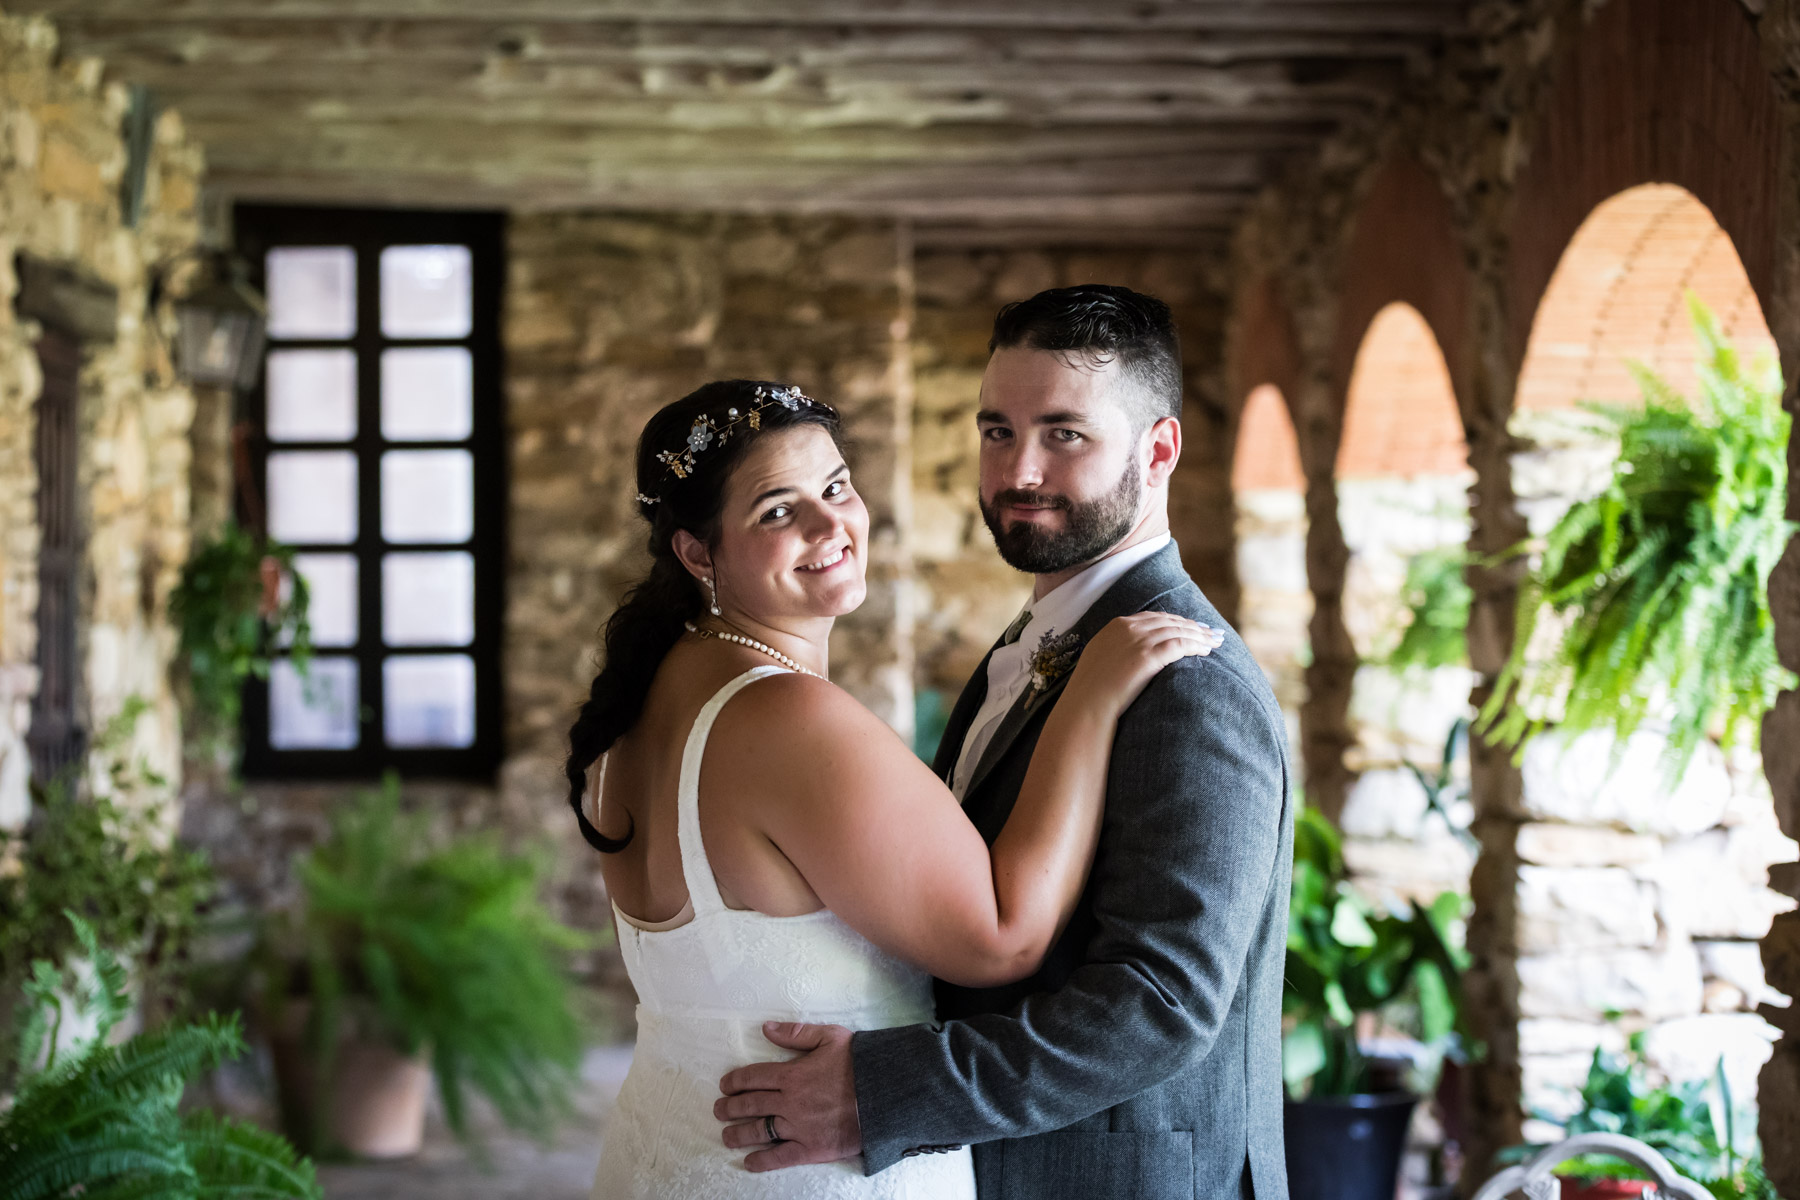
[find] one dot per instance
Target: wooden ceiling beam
(1243, 85)
(1212, 213)
(1413, 17)
(793, 124)
(363, 41)
(255, 133)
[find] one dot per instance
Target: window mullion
(368, 453)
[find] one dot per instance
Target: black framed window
(378, 453)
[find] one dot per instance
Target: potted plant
(1661, 581)
(416, 954)
(100, 849)
(1348, 962)
(97, 1120)
(1694, 1124)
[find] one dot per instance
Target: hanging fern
(1662, 577)
(100, 1122)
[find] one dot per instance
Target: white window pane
(312, 395)
(317, 713)
(312, 496)
(312, 291)
(428, 599)
(427, 496)
(427, 394)
(430, 700)
(331, 593)
(425, 291)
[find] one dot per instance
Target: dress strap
(703, 888)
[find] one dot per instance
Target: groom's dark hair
(1103, 323)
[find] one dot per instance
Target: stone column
(1325, 733)
(1779, 1085)
(1492, 982)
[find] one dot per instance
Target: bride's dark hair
(676, 490)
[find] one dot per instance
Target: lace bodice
(704, 989)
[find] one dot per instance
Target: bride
(788, 858)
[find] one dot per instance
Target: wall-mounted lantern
(220, 323)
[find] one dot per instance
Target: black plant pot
(1347, 1147)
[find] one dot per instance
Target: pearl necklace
(752, 643)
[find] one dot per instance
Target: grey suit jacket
(1143, 1060)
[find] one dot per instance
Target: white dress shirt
(1009, 668)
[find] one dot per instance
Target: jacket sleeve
(1196, 795)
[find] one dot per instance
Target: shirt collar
(1061, 608)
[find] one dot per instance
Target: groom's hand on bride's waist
(809, 1103)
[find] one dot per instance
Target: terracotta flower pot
(1602, 1189)
(376, 1108)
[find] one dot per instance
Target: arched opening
(1639, 903)
(1402, 478)
(1268, 488)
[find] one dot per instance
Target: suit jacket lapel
(1159, 573)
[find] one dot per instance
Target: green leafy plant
(103, 852)
(439, 949)
(1345, 957)
(1694, 1124)
(1662, 577)
(1437, 598)
(100, 1122)
(229, 612)
(1444, 786)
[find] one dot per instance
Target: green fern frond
(51, 1171)
(241, 1162)
(1661, 580)
(101, 1123)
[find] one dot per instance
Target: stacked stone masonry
(62, 159)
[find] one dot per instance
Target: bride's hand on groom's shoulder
(808, 1103)
(1121, 660)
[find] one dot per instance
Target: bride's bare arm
(884, 843)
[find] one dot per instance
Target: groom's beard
(1091, 529)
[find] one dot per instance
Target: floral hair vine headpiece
(707, 430)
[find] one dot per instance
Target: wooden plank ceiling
(981, 120)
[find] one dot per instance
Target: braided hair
(675, 491)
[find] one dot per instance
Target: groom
(1143, 1060)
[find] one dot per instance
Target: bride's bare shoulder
(794, 711)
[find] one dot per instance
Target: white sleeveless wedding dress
(705, 985)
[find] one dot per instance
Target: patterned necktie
(1016, 629)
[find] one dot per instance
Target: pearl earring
(714, 606)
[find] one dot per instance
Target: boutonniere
(1053, 658)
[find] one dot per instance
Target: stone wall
(1400, 718)
(966, 595)
(62, 158)
(609, 317)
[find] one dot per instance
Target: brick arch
(1400, 411)
(1618, 296)
(1652, 91)
(1403, 248)
(1267, 454)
